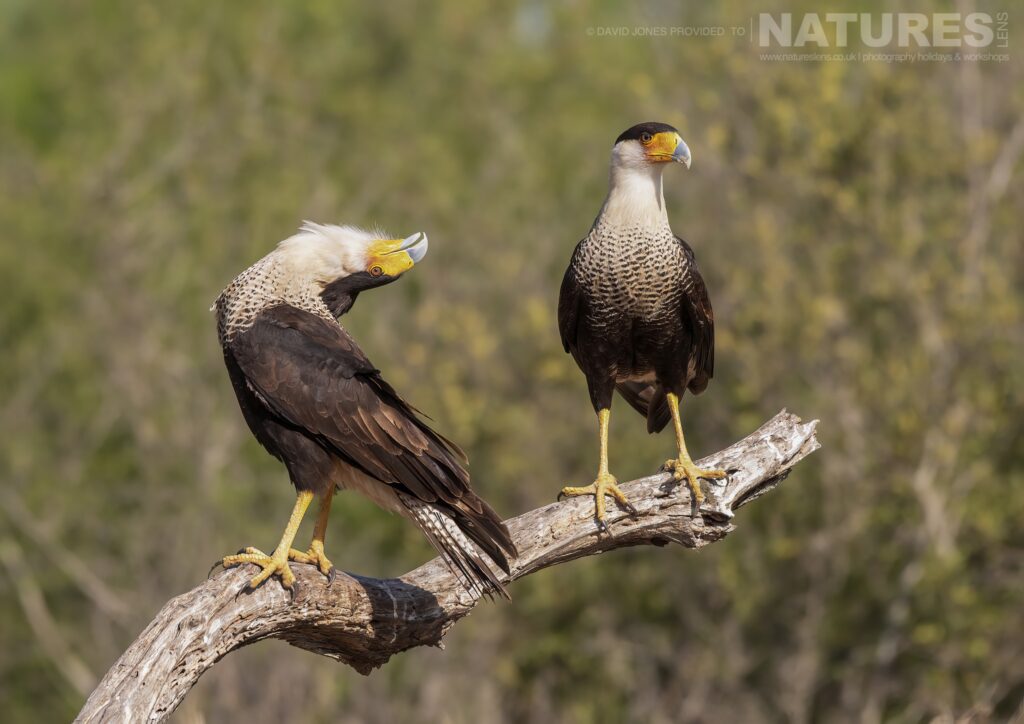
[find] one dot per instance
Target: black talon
(602, 527)
(631, 509)
(331, 575)
(240, 551)
(558, 498)
(294, 590)
(218, 563)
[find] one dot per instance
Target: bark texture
(363, 622)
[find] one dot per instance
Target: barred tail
(458, 551)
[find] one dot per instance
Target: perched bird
(633, 310)
(317, 404)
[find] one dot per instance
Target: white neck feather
(324, 252)
(635, 198)
(294, 273)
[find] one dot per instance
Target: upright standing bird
(317, 404)
(633, 309)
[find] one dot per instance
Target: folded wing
(310, 373)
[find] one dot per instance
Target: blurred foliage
(859, 228)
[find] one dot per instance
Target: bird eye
(376, 270)
(646, 138)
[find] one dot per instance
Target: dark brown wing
(310, 372)
(700, 320)
(570, 301)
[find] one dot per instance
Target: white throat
(635, 198)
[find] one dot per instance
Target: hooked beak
(415, 246)
(682, 152)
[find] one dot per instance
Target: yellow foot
(685, 468)
(315, 557)
(606, 484)
(275, 565)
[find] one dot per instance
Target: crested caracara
(633, 310)
(317, 404)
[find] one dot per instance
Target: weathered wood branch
(365, 621)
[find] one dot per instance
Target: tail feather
(458, 551)
(649, 400)
(484, 528)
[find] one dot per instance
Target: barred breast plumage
(634, 311)
(633, 281)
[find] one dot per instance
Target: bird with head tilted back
(317, 404)
(633, 310)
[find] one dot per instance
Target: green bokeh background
(858, 224)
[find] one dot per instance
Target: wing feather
(570, 301)
(700, 318)
(313, 375)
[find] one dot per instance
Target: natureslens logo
(880, 30)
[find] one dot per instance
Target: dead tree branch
(363, 622)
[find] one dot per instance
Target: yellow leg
(277, 563)
(605, 483)
(315, 555)
(683, 465)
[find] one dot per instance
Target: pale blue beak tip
(682, 153)
(416, 246)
